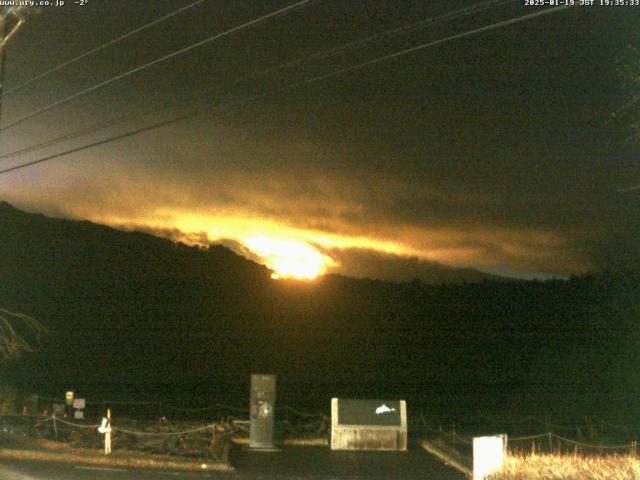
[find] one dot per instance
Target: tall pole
(3, 57)
(5, 35)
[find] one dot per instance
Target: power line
(412, 27)
(407, 51)
(174, 54)
(630, 189)
(101, 142)
(473, 9)
(68, 136)
(287, 87)
(101, 47)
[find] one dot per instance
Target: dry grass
(49, 451)
(567, 467)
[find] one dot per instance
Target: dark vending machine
(262, 409)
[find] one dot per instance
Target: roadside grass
(569, 467)
(26, 448)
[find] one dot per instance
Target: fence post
(634, 448)
(550, 443)
(213, 440)
(55, 426)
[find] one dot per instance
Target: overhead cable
(139, 68)
(199, 112)
(101, 47)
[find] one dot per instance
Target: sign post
(68, 403)
(262, 409)
(78, 408)
(105, 428)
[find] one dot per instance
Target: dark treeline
(133, 316)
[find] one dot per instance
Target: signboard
(78, 415)
(365, 424)
(78, 403)
(68, 398)
(369, 412)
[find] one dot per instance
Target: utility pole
(6, 32)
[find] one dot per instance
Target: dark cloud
(492, 152)
(363, 263)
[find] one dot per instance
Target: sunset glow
(289, 258)
(294, 252)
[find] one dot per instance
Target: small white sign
(104, 426)
(78, 415)
(78, 403)
(488, 455)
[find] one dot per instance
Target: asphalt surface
(292, 463)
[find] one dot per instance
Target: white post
(488, 455)
(334, 424)
(107, 435)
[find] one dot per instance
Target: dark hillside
(133, 315)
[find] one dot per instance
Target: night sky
(498, 151)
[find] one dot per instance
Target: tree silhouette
(18, 333)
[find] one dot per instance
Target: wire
(163, 434)
(530, 437)
(68, 136)
(101, 142)
(56, 419)
(631, 189)
(407, 51)
(287, 87)
(139, 68)
(388, 33)
(588, 445)
(101, 47)
(318, 55)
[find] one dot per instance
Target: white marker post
(105, 428)
(488, 455)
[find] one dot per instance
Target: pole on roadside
(5, 36)
(107, 436)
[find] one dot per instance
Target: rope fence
(160, 434)
(592, 435)
(548, 442)
(286, 409)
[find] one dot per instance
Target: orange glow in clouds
(289, 258)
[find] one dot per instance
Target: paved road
(320, 463)
(30, 470)
(292, 463)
